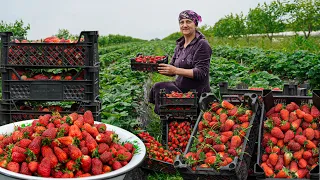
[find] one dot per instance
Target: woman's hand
(167, 69)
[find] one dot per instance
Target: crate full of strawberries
(147, 63)
(68, 146)
(223, 139)
(160, 156)
(289, 137)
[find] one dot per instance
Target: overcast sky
(145, 19)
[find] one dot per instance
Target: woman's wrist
(176, 70)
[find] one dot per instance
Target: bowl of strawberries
(69, 146)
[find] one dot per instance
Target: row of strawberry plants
(299, 65)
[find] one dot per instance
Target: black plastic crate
(81, 54)
(236, 170)
(146, 67)
(180, 111)
(241, 89)
(10, 111)
(61, 90)
(270, 100)
(188, 101)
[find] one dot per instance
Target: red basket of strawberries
(147, 63)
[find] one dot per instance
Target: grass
(161, 176)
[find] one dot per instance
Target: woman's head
(188, 21)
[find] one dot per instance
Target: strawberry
(91, 143)
(305, 125)
(74, 131)
(96, 166)
(292, 117)
(18, 157)
(228, 125)
(309, 133)
(17, 135)
(310, 145)
(301, 173)
(61, 155)
(71, 118)
(295, 124)
(284, 114)
(65, 127)
(86, 163)
(227, 105)
(88, 117)
(305, 108)
(13, 166)
(283, 173)
(235, 142)
(74, 152)
(290, 107)
(44, 167)
(279, 164)
(116, 165)
(285, 126)
(233, 111)
(24, 169)
(307, 117)
(276, 132)
(102, 127)
(223, 117)
(271, 111)
(276, 121)
(35, 145)
(315, 112)
(294, 146)
(102, 138)
(299, 131)
(102, 148)
(66, 140)
(300, 113)
(24, 143)
(71, 165)
(289, 135)
(215, 106)
(50, 125)
(207, 116)
(106, 156)
(273, 158)
(300, 139)
(44, 120)
(85, 175)
(50, 133)
(33, 166)
(128, 146)
(3, 163)
(307, 155)
(19, 149)
(298, 154)
(56, 174)
(243, 118)
(278, 107)
(106, 169)
(78, 122)
(293, 166)
(91, 130)
(268, 171)
(84, 150)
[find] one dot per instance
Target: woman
(190, 62)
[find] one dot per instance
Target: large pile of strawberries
(149, 59)
(290, 141)
(220, 135)
(63, 147)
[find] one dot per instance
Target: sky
(145, 19)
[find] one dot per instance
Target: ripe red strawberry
(91, 143)
(268, 171)
(44, 167)
(295, 124)
(307, 155)
(66, 140)
(96, 166)
(309, 133)
(227, 105)
(284, 114)
(18, 149)
(106, 156)
(33, 166)
(18, 157)
(288, 136)
(128, 146)
(302, 163)
(298, 154)
(292, 117)
(243, 118)
(232, 111)
(102, 127)
(57, 174)
(300, 139)
(84, 150)
(207, 116)
(74, 152)
(74, 131)
(116, 165)
(35, 145)
(78, 122)
(301, 173)
(93, 131)
(61, 155)
(315, 112)
(271, 111)
(278, 107)
(102, 138)
(285, 126)
(293, 166)
(294, 146)
(24, 169)
(86, 163)
(17, 135)
(66, 128)
(50, 133)
(235, 142)
(71, 165)
(219, 147)
(300, 113)
(305, 108)
(50, 125)
(299, 131)
(102, 148)
(276, 121)
(24, 143)
(88, 118)
(283, 173)
(279, 164)
(310, 145)
(276, 132)
(287, 157)
(228, 125)
(307, 117)
(273, 158)
(13, 166)
(44, 120)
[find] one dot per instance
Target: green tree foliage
(173, 36)
(304, 16)
(18, 28)
(64, 33)
(117, 39)
(231, 25)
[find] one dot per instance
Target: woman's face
(187, 26)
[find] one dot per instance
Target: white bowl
(124, 135)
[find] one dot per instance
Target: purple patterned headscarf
(189, 14)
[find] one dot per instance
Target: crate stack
(80, 59)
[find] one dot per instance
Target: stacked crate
(82, 88)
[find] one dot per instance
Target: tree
(304, 16)
(64, 33)
(230, 25)
(267, 18)
(19, 30)
(206, 30)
